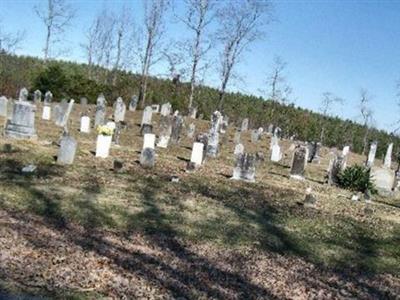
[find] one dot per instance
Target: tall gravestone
(59, 112)
(119, 110)
(165, 131)
(66, 153)
(372, 154)
(224, 124)
(67, 113)
(37, 97)
(133, 103)
(46, 113)
(276, 154)
(213, 136)
(245, 167)
(388, 156)
(3, 106)
(177, 123)
(22, 122)
(100, 115)
(298, 163)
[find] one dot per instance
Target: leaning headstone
(22, 122)
(166, 109)
(85, 124)
(191, 130)
(66, 153)
(239, 149)
(196, 158)
(298, 163)
(133, 103)
(100, 115)
(245, 167)
(119, 110)
(276, 154)
(213, 136)
(383, 179)
(147, 156)
(37, 97)
(177, 123)
(3, 106)
(372, 154)
(388, 156)
(335, 167)
(245, 125)
(165, 131)
(147, 115)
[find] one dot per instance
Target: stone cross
(119, 110)
(66, 153)
(213, 136)
(133, 103)
(245, 125)
(3, 106)
(37, 97)
(388, 156)
(177, 123)
(245, 167)
(298, 163)
(23, 94)
(22, 122)
(147, 156)
(100, 115)
(165, 131)
(372, 154)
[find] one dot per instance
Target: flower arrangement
(105, 130)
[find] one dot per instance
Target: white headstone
(111, 124)
(383, 178)
(346, 150)
(147, 115)
(372, 153)
(388, 156)
(239, 149)
(149, 140)
(245, 124)
(46, 113)
(197, 154)
(119, 110)
(85, 124)
(276, 154)
(166, 109)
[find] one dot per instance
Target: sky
(329, 46)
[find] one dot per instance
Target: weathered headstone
(224, 124)
(245, 167)
(66, 153)
(37, 97)
(388, 156)
(85, 124)
(100, 115)
(298, 163)
(236, 138)
(310, 199)
(196, 158)
(245, 125)
(191, 130)
(276, 154)
(372, 154)
(147, 115)
(213, 136)
(117, 133)
(313, 152)
(48, 97)
(23, 94)
(166, 109)
(335, 167)
(147, 156)
(67, 112)
(254, 136)
(177, 123)
(239, 149)
(84, 106)
(133, 103)
(383, 178)
(145, 129)
(22, 122)
(119, 110)
(3, 106)
(274, 141)
(165, 131)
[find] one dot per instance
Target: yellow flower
(104, 130)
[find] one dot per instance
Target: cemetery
(93, 215)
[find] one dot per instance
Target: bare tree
(153, 27)
(9, 42)
(279, 89)
(366, 115)
(199, 14)
(241, 23)
(56, 17)
(397, 122)
(327, 103)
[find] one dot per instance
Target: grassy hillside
(67, 79)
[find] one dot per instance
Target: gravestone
(298, 163)
(245, 167)
(155, 108)
(310, 199)
(202, 138)
(274, 141)
(133, 103)
(66, 153)
(100, 114)
(147, 156)
(372, 154)
(84, 106)
(145, 129)
(48, 98)
(239, 149)
(245, 125)
(213, 136)
(236, 138)
(313, 152)
(388, 156)
(166, 109)
(277, 131)
(396, 184)
(22, 122)
(37, 97)
(85, 124)
(383, 178)
(276, 154)
(119, 110)
(224, 124)
(177, 123)
(192, 112)
(67, 112)
(335, 167)
(147, 115)
(57, 115)
(3, 106)
(270, 128)
(254, 136)
(117, 133)
(191, 130)
(346, 150)
(196, 158)
(23, 94)
(165, 131)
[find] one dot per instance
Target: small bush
(357, 178)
